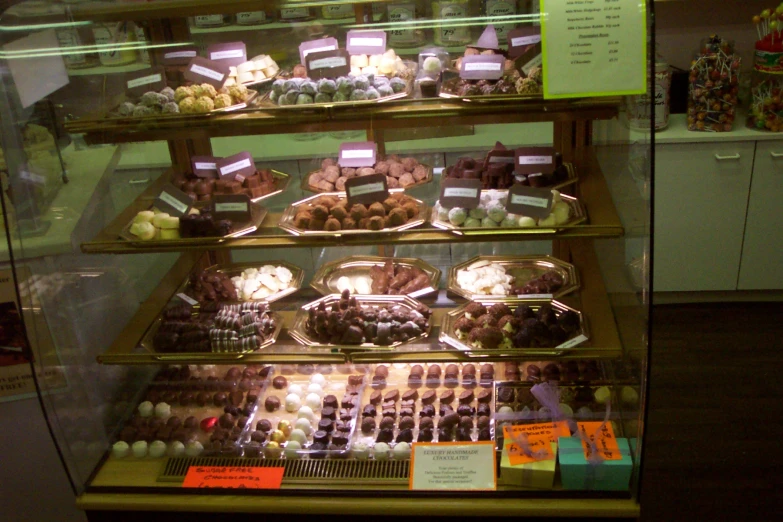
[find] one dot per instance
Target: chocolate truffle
(226, 421)
(405, 435)
(386, 423)
(219, 399)
(328, 413)
(466, 423)
(279, 382)
(427, 411)
(393, 396)
(465, 409)
(386, 435)
(320, 436)
(330, 401)
(484, 396)
(469, 369)
(426, 423)
(264, 425)
(417, 369)
(444, 435)
(428, 397)
(425, 435)
(449, 420)
(326, 425)
(258, 436)
(483, 422)
(375, 397)
(466, 397)
(368, 425)
(252, 395)
(447, 397)
(382, 371)
(410, 395)
(433, 370)
(452, 370)
(339, 439)
(406, 423)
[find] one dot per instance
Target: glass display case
(292, 235)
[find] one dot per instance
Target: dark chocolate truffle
(272, 403)
(449, 420)
(326, 425)
(226, 421)
(427, 411)
(369, 411)
(464, 409)
(386, 423)
(484, 396)
(466, 423)
(219, 399)
(447, 397)
(264, 425)
(279, 382)
(320, 436)
(410, 395)
(375, 397)
(466, 397)
(330, 401)
(368, 425)
(258, 436)
(405, 435)
(386, 435)
(425, 435)
(428, 397)
(328, 413)
(406, 423)
(393, 396)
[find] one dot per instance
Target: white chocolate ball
(295, 389)
(360, 451)
(316, 389)
(303, 425)
(120, 449)
(176, 449)
(402, 451)
(306, 412)
(157, 449)
(194, 449)
(603, 395)
(292, 402)
(140, 449)
(381, 451)
(146, 409)
(299, 436)
(317, 378)
(292, 448)
(314, 401)
(162, 410)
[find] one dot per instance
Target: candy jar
(713, 86)
(766, 108)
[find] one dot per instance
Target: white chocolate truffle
(629, 396)
(566, 410)
(602, 395)
(318, 378)
(140, 449)
(162, 410)
(176, 449)
(158, 219)
(360, 451)
(316, 389)
(143, 230)
(506, 409)
(146, 409)
(337, 387)
(169, 233)
(303, 425)
(298, 435)
(402, 451)
(306, 412)
(194, 449)
(292, 448)
(296, 389)
(144, 216)
(120, 449)
(527, 221)
(314, 401)
(157, 449)
(381, 451)
(292, 402)
(584, 413)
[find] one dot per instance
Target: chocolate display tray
(114, 116)
(578, 216)
(448, 336)
(147, 344)
(306, 181)
(524, 268)
(236, 269)
(398, 380)
(257, 215)
(325, 278)
(298, 330)
(282, 180)
(287, 219)
(572, 177)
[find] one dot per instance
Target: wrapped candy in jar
(766, 106)
(713, 86)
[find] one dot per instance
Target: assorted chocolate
(260, 184)
(547, 283)
(395, 279)
(349, 322)
(210, 285)
(399, 172)
(332, 214)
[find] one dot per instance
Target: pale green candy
(358, 95)
(304, 99)
(457, 216)
(322, 97)
(472, 222)
(488, 222)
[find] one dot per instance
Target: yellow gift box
(538, 475)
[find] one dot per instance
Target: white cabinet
(762, 251)
(701, 195)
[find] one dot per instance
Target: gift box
(538, 475)
(607, 475)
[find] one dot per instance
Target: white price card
(603, 43)
(456, 466)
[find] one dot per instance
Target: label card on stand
(482, 67)
(366, 189)
(228, 477)
(235, 207)
(232, 53)
(463, 193)
(531, 160)
(201, 70)
(455, 466)
(316, 46)
(328, 64)
(357, 154)
(173, 201)
(139, 82)
(529, 201)
(181, 56)
(204, 166)
(366, 42)
(237, 165)
(523, 39)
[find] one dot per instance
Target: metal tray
(447, 328)
(523, 268)
(287, 219)
(282, 180)
(572, 177)
(325, 279)
(299, 333)
(306, 180)
(578, 215)
(147, 344)
(257, 215)
(114, 116)
(236, 269)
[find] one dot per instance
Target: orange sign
(231, 477)
(605, 442)
(539, 437)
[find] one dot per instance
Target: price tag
(187, 299)
(237, 165)
(232, 53)
(366, 42)
(233, 477)
(539, 437)
(482, 67)
(366, 189)
(328, 64)
(173, 201)
(605, 441)
(463, 193)
(316, 46)
(455, 466)
(529, 201)
(139, 82)
(235, 207)
(204, 166)
(523, 40)
(532, 160)
(357, 154)
(201, 70)
(180, 56)
(576, 341)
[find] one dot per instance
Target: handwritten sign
(237, 165)
(366, 42)
(539, 437)
(456, 466)
(357, 154)
(316, 46)
(463, 193)
(173, 200)
(529, 201)
(366, 189)
(482, 67)
(201, 70)
(605, 441)
(229, 477)
(139, 82)
(231, 53)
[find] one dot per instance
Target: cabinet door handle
(735, 156)
(776, 154)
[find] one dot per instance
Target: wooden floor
(714, 448)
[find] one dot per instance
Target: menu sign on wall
(603, 43)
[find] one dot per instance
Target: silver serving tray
(236, 269)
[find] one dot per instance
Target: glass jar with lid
(451, 25)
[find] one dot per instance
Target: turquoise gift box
(577, 473)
